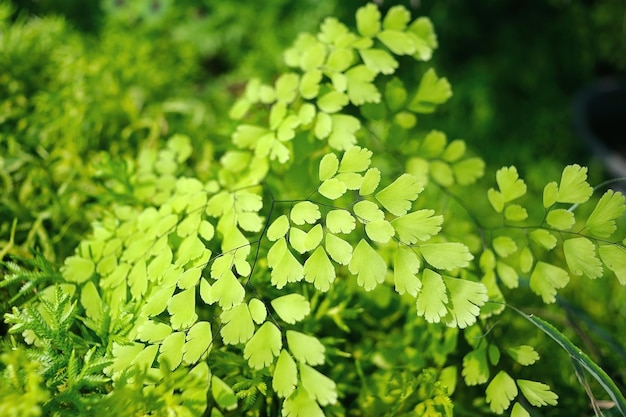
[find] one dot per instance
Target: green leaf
(171, 350)
(340, 60)
(418, 225)
(580, 254)
(550, 194)
(379, 231)
(368, 20)
(278, 228)
(466, 298)
(199, 339)
(338, 249)
(343, 132)
(305, 212)
(319, 386)
(379, 60)
(328, 166)
(237, 325)
(223, 394)
(573, 187)
(432, 299)
(494, 354)
(323, 125)
(509, 183)
(91, 301)
(468, 170)
(524, 355)
(300, 404)
(340, 221)
(515, 213)
(291, 308)
(370, 181)
(446, 255)
(182, 308)
(285, 375)
(77, 269)
(398, 196)
(360, 88)
(367, 211)
(263, 346)
(355, 159)
(496, 199)
(398, 42)
(500, 392)
(332, 189)
(152, 332)
(305, 348)
(352, 180)
(258, 312)
(286, 87)
(285, 267)
(601, 221)
(475, 367)
(536, 393)
(507, 274)
(319, 271)
(369, 267)
(519, 411)
(560, 219)
(504, 246)
(613, 257)
(431, 92)
(546, 279)
(227, 291)
(312, 238)
(310, 84)
(526, 260)
(454, 151)
(397, 18)
(425, 38)
(543, 238)
(332, 102)
(406, 265)
(313, 56)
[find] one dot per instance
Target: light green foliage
(324, 263)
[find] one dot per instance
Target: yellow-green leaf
(367, 264)
(546, 279)
(433, 298)
(500, 392)
(580, 254)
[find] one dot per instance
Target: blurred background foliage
(84, 84)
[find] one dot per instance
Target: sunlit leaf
(223, 394)
(406, 265)
(199, 339)
(398, 196)
(500, 392)
(544, 238)
(332, 189)
(285, 375)
(261, 349)
(546, 279)
(182, 308)
(227, 291)
(613, 257)
(475, 367)
(431, 92)
(171, 350)
(398, 42)
(370, 181)
(367, 211)
(318, 270)
(504, 246)
(560, 219)
(601, 221)
(152, 331)
(300, 404)
(338, 249)
(432, 299)
(355, 159)
(258, 311)
(77, 269)
(360, 88)
(418, 225)
(379, 60)
(285, 267)
(397, 18)
(367, 264)
(328, 166)
(237, 325)
(573, 187)
(278, 228)
(466, 298)
(332, 102)
(340, 221)
(580, 254)
(305, 212)
(319, 386)
(291, 308)
(380, 231)
(523, 354)
(305, 348)
(447, 255)
(368, 20)
(536, 393)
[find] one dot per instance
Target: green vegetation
(177, 242)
